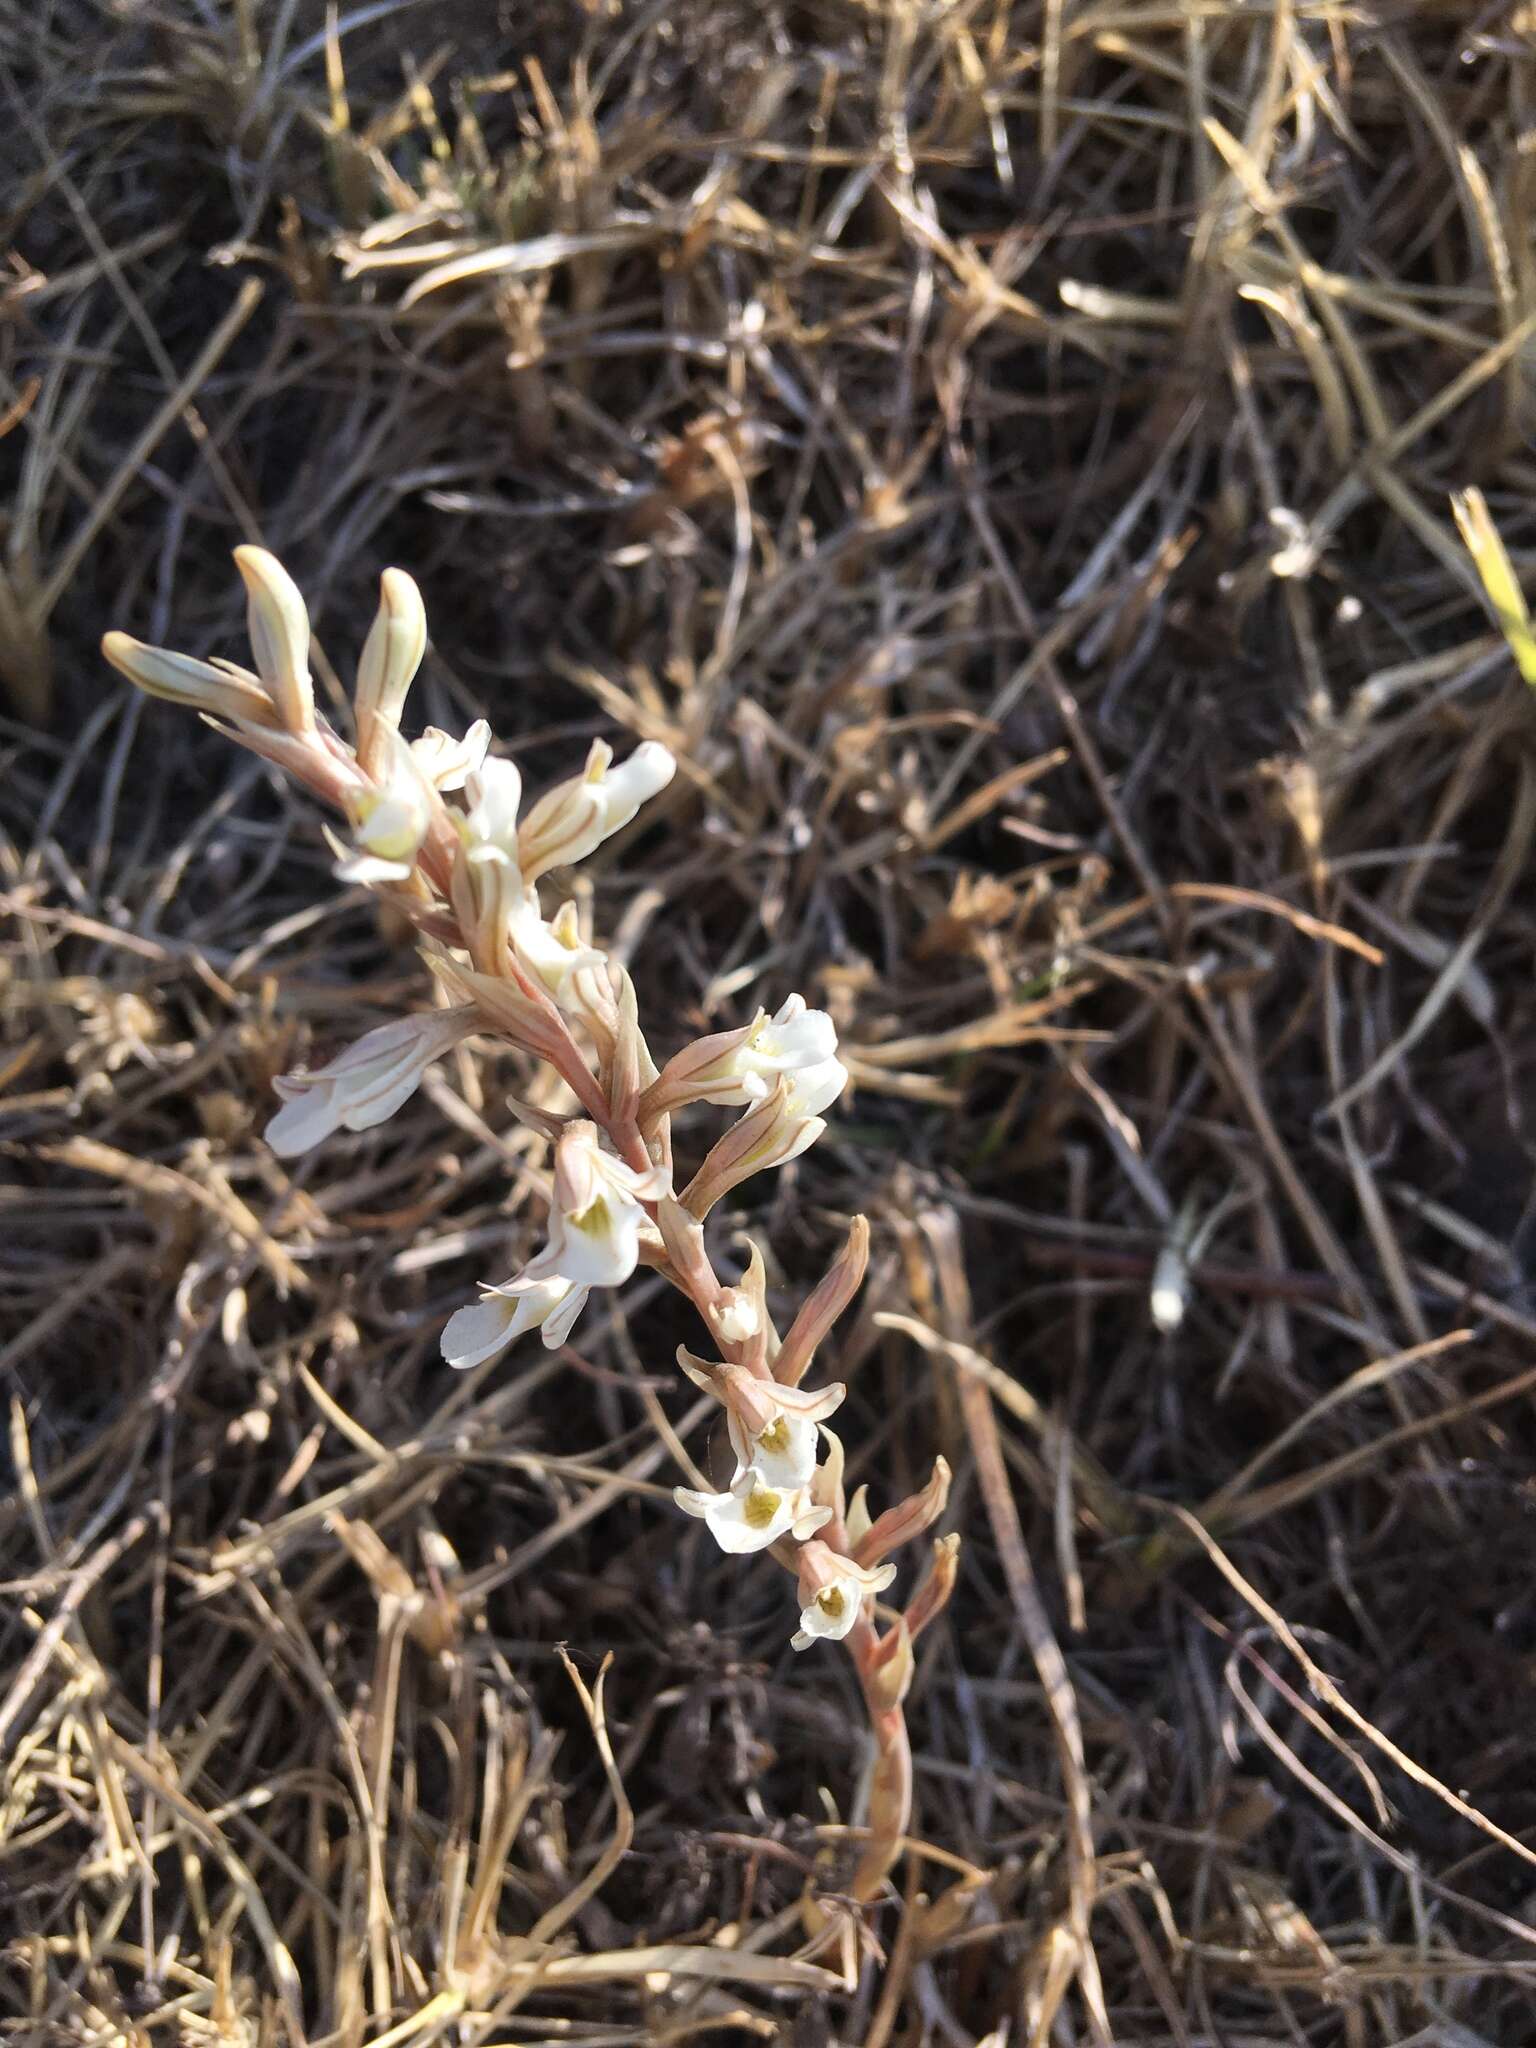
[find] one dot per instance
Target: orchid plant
(436, 827)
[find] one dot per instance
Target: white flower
(813, 1089)
(489, 823)
(448, 763)
(736, 1316)
(752, 1514)
(833, 1590)
(389, 820)
(784, 1453)
(800, 1044)
(554, 951)
(596, 1214)
(366, 1083)
(775, 1429)
(505, 1313)
(576, 817)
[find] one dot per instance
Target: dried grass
(1007, 453)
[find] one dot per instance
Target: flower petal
(473, 1334)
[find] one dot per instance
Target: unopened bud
(391, 655)
(932, 1596)
(822, 1307)
(766, 1136)
(221, 692)
(888, 1678)
(279, 630)
(908, 1518)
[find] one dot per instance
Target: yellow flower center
(761, 1507)
(593, 1220)
(385, 825)
(832, 1603)
(775, 1437)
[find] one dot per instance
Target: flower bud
(279, 630)
(932, 1596)
(387, 667)
(822, 1307)
(888, 1677)
(222, 691)
(766, 1136)
(907, 1519)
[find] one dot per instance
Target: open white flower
(751, 1514)
(489, 821)
(813, 1089)
(389, 820)
(505, 1313)
(553, 951)
(576, 817)
(488, 886)
(774, 1428)
(797, 1042)
(833, 1590)
(365, 1084)
(596, 1212)
(448, 763)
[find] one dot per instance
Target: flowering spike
(437, 830)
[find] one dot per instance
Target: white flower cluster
(480, 862)
(438, 827)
